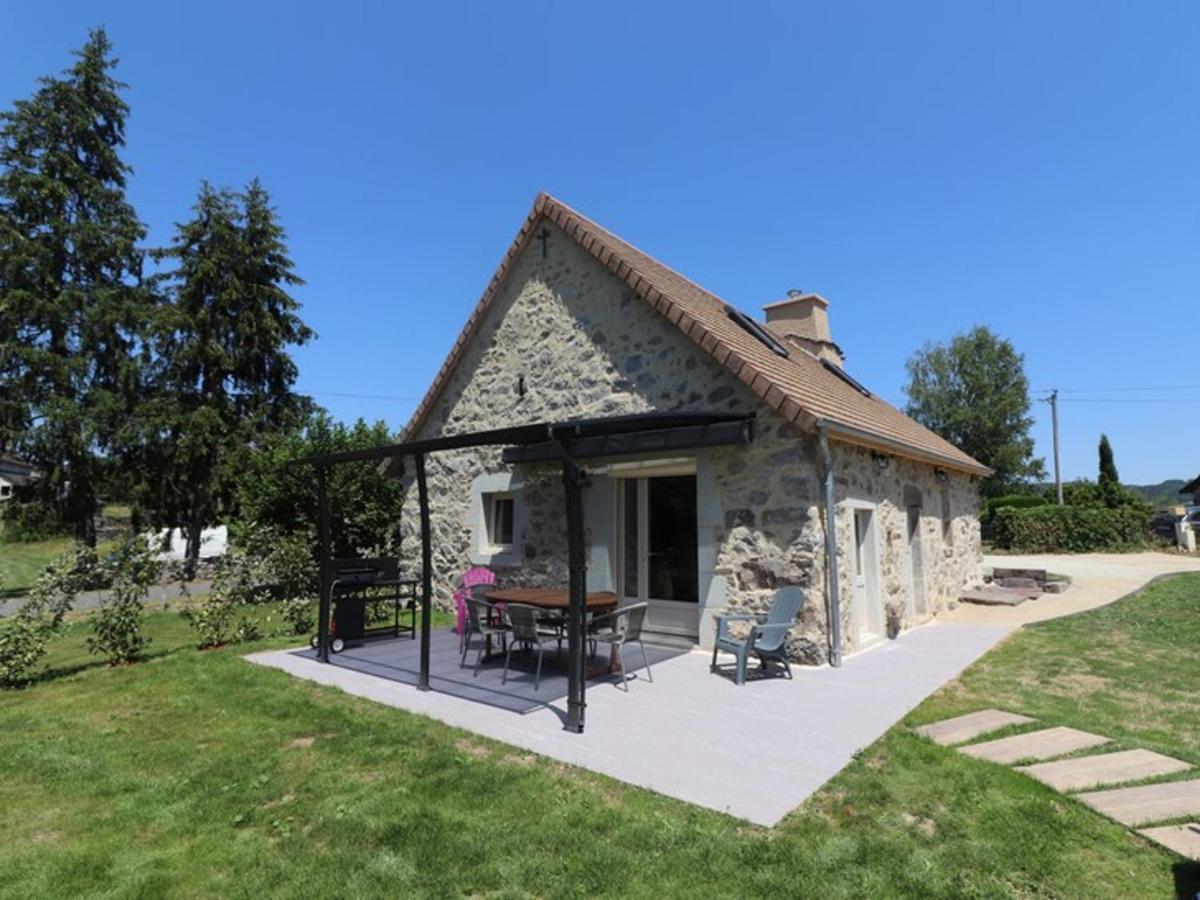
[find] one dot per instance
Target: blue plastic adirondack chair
(768, 636)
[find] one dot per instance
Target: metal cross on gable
(544, 237)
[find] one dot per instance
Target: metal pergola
(567, 442)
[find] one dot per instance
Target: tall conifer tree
(71, 303)
(224, 373)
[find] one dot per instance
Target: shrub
(24, 522)
(24, 634)
(1073, 529)
(212, 619)
(117, 627)
(298, 613)
(1011, 501)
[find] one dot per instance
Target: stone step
(972, 725)
(1104, 769)
(1182, 839)
(1034, 745)
(991, 595)
(1038, 575)
(1150, 803)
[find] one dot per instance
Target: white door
(657, 558)
(868, 612)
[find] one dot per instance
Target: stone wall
(580, 343)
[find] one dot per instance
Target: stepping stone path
(963, 728)
(1106, 768)
(1130, 806)
(1034, 745)
(1183, 839)
(1150, 803)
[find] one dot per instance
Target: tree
(72, 306)
(1108, 480)
(973, 392)
(223, 376)
(364, 506)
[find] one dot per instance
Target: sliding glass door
(658, 559)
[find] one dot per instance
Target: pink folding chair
(473, 576)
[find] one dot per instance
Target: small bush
(24, 634)
(212, 620)
(298, 613)
(1071, 529)
(117, 627)
(24, 522)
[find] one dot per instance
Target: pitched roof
(1192, 487)
(799, 387)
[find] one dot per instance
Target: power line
(361, 396)
(1129, 400)
(1112, 390)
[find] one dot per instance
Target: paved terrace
(755, 752)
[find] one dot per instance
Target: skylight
(756, 328)
(845, 376)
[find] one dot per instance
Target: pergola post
(426, 570)
(577, 608)
(323, 579)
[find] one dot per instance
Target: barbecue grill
(355, 585)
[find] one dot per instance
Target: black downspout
(577, 582)
(426, 571)
(323, 532)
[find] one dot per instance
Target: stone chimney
(803, 320)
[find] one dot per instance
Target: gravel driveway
(92, 599)
(1097, 579)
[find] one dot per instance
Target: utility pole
(1053, 401)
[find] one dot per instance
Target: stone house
(576, 323)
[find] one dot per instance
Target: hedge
(990, 506)
(1073, 529)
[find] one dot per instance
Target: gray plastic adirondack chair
(768, 636)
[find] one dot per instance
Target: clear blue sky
(1031, 166)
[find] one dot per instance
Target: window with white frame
(498, 511)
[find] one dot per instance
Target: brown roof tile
(798, 387)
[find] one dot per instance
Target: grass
(196, 773)
(20, 563)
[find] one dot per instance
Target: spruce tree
(72, 307)
(224, 374)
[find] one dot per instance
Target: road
(92, 599)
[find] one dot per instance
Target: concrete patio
(755, 752)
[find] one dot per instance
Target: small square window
(5, 490)
(498, 514)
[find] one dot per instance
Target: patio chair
(626, 628)
(526, 627)
(768, 636)
(473, 576)
(481, 622)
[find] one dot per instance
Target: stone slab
(1104, 769)
(1151, 803)
(1034, 745)
(1055, 587)
(991, 595)
(1038, 575)
(1182, 839)
(1019, 584)
(972, 725)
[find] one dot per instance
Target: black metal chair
(480, 621)
(625, 628)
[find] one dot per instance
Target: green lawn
(198, 774)
(20, 563)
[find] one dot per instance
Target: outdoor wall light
(941, 476)
(882, 460)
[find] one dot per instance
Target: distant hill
(1165, 493)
